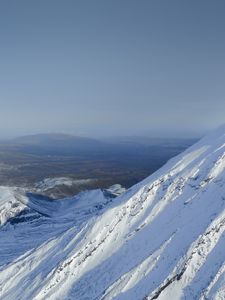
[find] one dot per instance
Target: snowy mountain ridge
(162, 239)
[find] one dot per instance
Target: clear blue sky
(111, 66)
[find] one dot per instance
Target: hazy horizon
(163, 133)
(112, 68)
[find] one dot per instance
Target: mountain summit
(164, 238)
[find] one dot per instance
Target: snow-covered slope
(49, 183)
(162, 239)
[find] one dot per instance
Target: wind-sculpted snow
(9, 206)
(162, 239)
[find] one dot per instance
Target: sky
(112, 67)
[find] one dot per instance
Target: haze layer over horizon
(123, 67)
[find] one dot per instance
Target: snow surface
(162, 239)
(50, 183)
(115, 190)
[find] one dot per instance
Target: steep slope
(162, 239)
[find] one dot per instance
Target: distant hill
(58, 138)
(56, 143)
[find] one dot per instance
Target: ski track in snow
(164, 238)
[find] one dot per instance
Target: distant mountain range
(64, 143)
